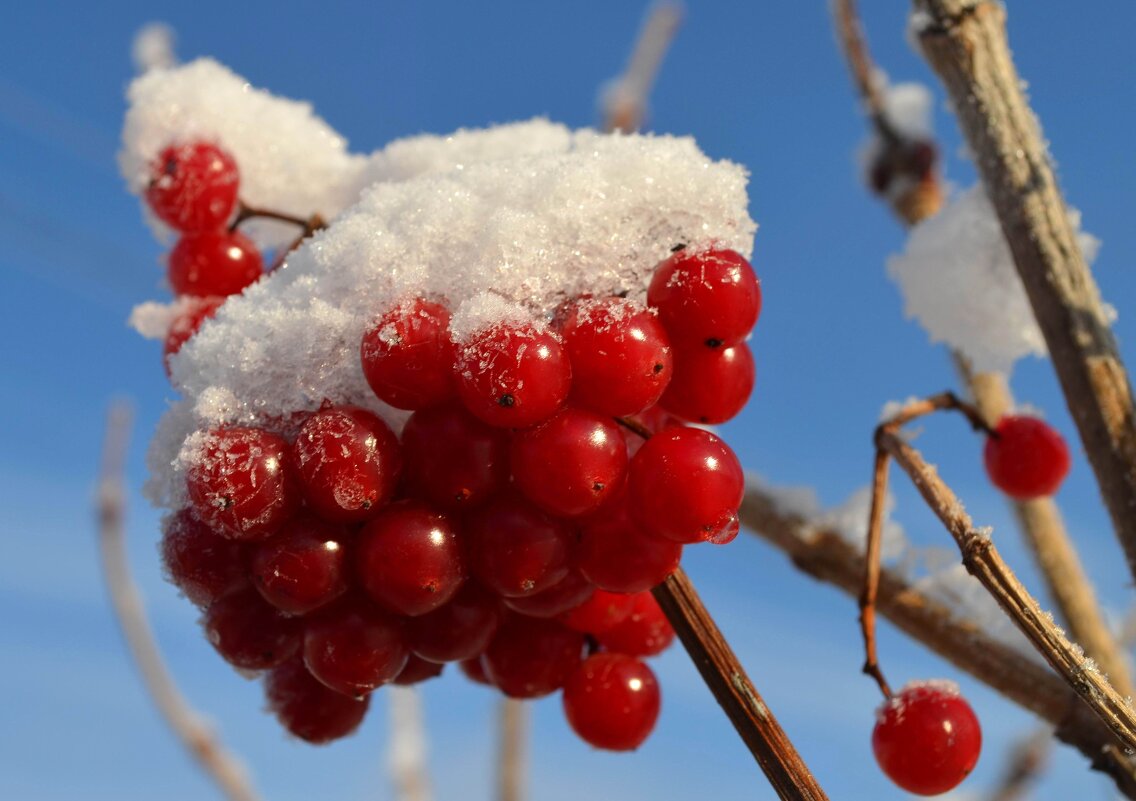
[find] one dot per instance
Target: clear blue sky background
(759, 83)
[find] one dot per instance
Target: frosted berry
(303, 566)
(193, 186)
(530, 658)
(710, 385)
(612, 701)
(685, 484)
(452, 459)
(707, 298)
(927, 738)
(354, 647)
(1027, 458)
(515, 549)
(242, 482)
(600, 613)
(308, 709)
(417, 670)
(348, 461)
(407, 355)
(249, 633)
(459, 630)
(513, 376)
(615, 554)
(214, 263)
(644, 632)
(571, 464)
(620, 354)
(566, 594)
(199, 561)
(186, 324)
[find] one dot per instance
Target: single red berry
(214, 263)
(186, 324)
(564, 595)
(513, 376)
(308, 709)
(198, 561)
(348, 461)
(303, 566)
(407, 355)
(927, 738)
(612, 701)
(530, 658)
(620, 354)
(474, 670)
(355, 647)
(515, 549)
(710, 297)
(458, 630)
(570, 465)
(615, 554)
(249, 633)
(193, 186)
(600, 613)
(644, 632)
(1026, 458)
(686, 485)
(453, 460)
(710, 385)
(418, 670)
(242, 482)
(409, 558)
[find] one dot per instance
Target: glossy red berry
(199, 561)
(644, 632)
(459, 630)
(927, 738)
(308, 709)
(242, 483)
(417, 670)
(685, 484)
(354, 647)
(600, 613)
(348, 460)
(570, 465)
(303, 566)
(620, 354)
(530, 658)
(1027, 458)
(193, 186)
(407, 355)
(186, 323)
(249, 633)
(515, 549)
(564, 595)
(612, 701)
(410, 558)
(513, 376)
(452, 459)
(218, 263)
(710, 385)
(710, 297)
(474, 670)
(615, 554)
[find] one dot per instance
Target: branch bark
(513, 726)
(965, 42)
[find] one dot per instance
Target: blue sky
(759, 83)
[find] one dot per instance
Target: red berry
(927, 738)
(417, 670)
(571, 464)
(710, 385)
(1026, 458)
(566, 594)
(620, 354)
(645, 632)
(308, 709)
(185, 325)
(686, 484)
(199, 561)
(710, 297)
(242, 482)
(460, 629)
(600, 613)
(407, 355)
(612, 701)
(410, 558)
(348, 461)
(248, 633)
(615, 554)
(474, 669)
(354, 648)
(453, 460)
(530, 658)
(515, 549)
(303, 566)
(214, 263)
(193, 186)
(513, 376)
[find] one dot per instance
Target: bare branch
(407, 756)
(625, 99)
(1027, 760)
(865, 74)
(199, 740)
(513, 727)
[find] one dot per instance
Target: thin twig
(314, 223)
(965, 42)
(225, 769)
(872, 573)
(625, 102)
(247, 212)
(1027, 760)
(407, 755)
(513, 728)
(735, 693)
(864, 72)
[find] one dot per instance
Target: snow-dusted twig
(625, 98)
(965, 42)
(513, 726)
(865, 75)
(406, 758)
(1028, 759)
(199, 739)
(735, 693)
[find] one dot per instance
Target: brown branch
(872, 573)
(513, 727)
(735, 693)
(1027, 761)
(199, 740)
(863, 69)
(625, 104)
(407, 750)
(828, 557)
(965, 42)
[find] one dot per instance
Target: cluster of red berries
(193, 189)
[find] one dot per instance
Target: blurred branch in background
(624, 100)
(1027, 761)
(406, 759)
(512, 725)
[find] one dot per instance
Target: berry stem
(872, 573)
(513, 716)
(634, 426)
(224, 768)
(732, 688)
(247, 212)
(864, 71)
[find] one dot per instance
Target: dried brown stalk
(864, 72)
(225, 769)
(625, 103)
(735, 693)
(513, 726)
(965, 42)
(871, 591)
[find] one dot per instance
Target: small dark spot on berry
(704, 420)
(462, 495)
(598, 486)
(366, 503)
(659, 368)
(678, 247)
(623, 293)
(506, 400)
(225, 502)
(171, 166)
(713, 342)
